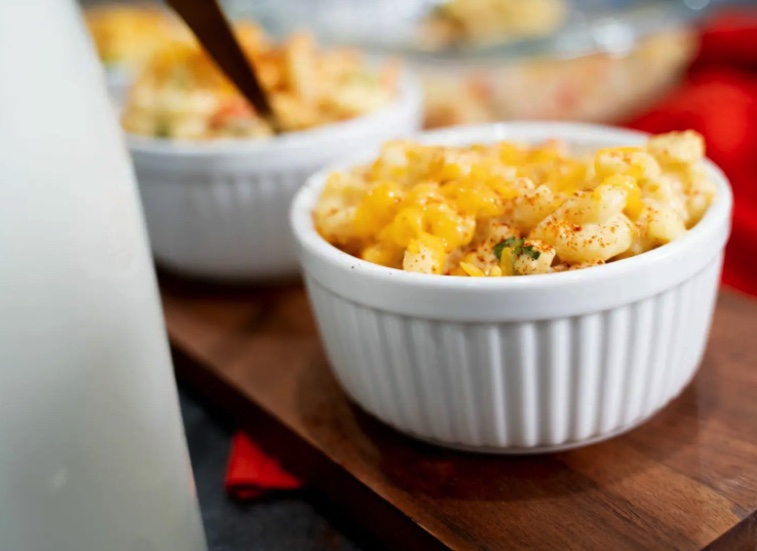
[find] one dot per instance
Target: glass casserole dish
(490, 60)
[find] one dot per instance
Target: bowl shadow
(395, 464)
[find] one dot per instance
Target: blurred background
(620, 62)
(479, 60)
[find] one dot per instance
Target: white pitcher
(92, 450)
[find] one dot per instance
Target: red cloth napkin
(251, 473)
(718, 99)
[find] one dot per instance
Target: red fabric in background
(251, 473)
(718, 99)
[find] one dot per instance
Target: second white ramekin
(525, 364)
(218, 210)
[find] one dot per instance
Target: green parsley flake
(518, 247)
(529, 250)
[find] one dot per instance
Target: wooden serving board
(685, 480)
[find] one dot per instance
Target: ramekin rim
(306, 234)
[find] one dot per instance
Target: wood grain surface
(685, 480)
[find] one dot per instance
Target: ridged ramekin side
(223, 225)
(519, 386)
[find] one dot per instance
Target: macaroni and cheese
(460, 22)
(182, 94)
(507, 209)
(130, 34)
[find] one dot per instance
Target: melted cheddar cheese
(508, 209)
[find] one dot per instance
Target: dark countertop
(289, 521)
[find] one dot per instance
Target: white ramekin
(524, 364)
(219, 209)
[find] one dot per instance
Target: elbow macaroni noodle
(460, 22)
(507, 209)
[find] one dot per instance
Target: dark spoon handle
(207, 22)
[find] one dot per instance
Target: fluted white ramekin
(219, 209)
(524, 364)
